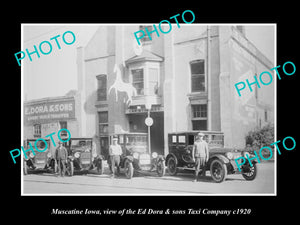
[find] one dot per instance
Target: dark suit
(61, 155)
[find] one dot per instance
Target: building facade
(187, 76)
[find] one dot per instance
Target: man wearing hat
(115, 151)
(200, 155)
(61, 156)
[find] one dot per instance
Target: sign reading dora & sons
(49, 110)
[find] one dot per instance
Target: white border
(130, 24)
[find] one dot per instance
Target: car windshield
(137, 143)
(81, 145)
(40, 145)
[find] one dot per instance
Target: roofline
(48, 99)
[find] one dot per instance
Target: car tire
(218, 170)
(252, 174)
(70, 168)
(128, 169)
(100, 168)
(161, 168)
(172, 166)
(25, 169)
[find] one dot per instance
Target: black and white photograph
(150, 113)
(143, 109)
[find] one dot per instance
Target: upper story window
(101, 87)
(153, 81)
(199, 117)
(103, 122)
(138, 80)
(146, 38)
(266, 116)
(197, 76)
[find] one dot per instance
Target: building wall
(232, 58)
(240, 60)
(193, 47)
(52, 126)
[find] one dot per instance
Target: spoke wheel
(172, 166)
(161, 168)
(218, 170)
(251, 172)
(128, 169)
(70, 169)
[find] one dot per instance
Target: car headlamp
(31, 155)
(48, 154)
(245, 154)
(76, 155)
(229, 155)
(135, 155)
(154, 155)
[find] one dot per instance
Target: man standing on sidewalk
(200, 155)
(115, 151)
(61, 156)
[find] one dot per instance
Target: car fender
(172, 155)
(99, 157)
(129, 157)
(160, 158)
(220, 157)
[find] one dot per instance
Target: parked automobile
(81, 159)
(136, 155)
(221, 160)
(41, 161)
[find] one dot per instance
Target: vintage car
(81, 159)
(136, 155)
(41, 161)
(221, 160)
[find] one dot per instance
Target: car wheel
(172, 166)
(25, 169)
(100, 167)
(70, 168)
(128, 169)
(218, 170)
(251, 172)
(161, 168)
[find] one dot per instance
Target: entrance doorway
(104, 146)
(137, 124)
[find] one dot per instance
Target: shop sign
(49, 111)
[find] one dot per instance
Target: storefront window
(37, 130)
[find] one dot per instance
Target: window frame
(63, 133)
(37, 130)
(146, 39)
(135, 82)
(146, 67)
(198, 75)
(102, 123)
(104, 88)
(201, 117)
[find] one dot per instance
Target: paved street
(150, 183)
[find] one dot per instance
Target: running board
(185, 168)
